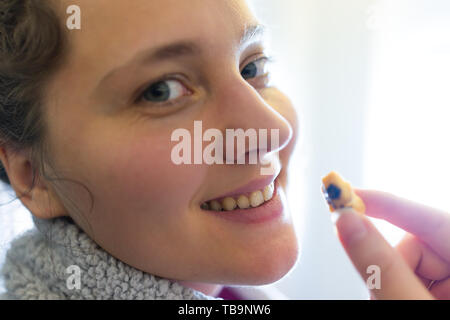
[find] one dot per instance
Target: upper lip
(254, 185)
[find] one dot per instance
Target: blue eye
(164, 91)
(255, 69)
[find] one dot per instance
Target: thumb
(369, 251)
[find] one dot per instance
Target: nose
(241, 106)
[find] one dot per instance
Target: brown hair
(32, 45)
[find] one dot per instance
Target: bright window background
(371, 81)
(409, 113)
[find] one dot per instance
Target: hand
(419, 267)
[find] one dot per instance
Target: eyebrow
(185, 48)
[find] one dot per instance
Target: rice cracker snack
(339, 194)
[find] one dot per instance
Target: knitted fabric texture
(36, 267)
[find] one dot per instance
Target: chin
(269, 263)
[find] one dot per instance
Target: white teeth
(268, 192)
(215, 205)
(243, 202)
(228, 204)
(256, 199)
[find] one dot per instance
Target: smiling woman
(86, 120)
(86, 143)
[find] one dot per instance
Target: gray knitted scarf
(44, 262)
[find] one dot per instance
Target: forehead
(112, 25)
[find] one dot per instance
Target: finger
(412, 255)
(368, 249)
(422, 259)
(430, 225)
(441, 289)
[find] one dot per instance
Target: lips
(257, 184)
(272, 210)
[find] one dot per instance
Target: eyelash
(171, 77)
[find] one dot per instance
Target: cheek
(141, 175)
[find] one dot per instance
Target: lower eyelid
(179, 102)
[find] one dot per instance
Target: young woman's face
(112, 109)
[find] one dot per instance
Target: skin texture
(146, 210)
